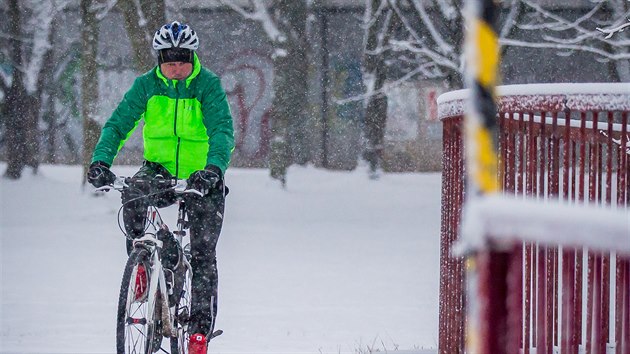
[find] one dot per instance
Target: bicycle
(154, 301)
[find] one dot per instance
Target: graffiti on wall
(428, 99)
(403, 112)
(248, 77)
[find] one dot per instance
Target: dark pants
(206, 218)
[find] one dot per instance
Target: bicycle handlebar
(179, 186)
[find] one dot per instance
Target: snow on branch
(437, 58)
(432, 32)
(611, 31)
(260, 14)
(418, 46)
(448, 9)
(381, 43)
(561, 46)
(564, 46)
(428, 70)
(435, 34)
(40, 22)
(142, 20)
(510, 21)
(5, 78)
(370, 16)
(103, 8)
(560, 24)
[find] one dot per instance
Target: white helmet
(175, 35)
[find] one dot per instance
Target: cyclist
(187, 133)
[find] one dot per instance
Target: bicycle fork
(157, 285)
(161, 306)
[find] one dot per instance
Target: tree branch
(5, 82)
(41, 21)
(423, 50)
(510, 22)
(423, 69)
(448, 9)
(372, 16)
(560, 24)
(561, 46)
(259, 14)
(611, 31)
(101, 9)
(445, 48)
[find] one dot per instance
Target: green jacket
(187, 124)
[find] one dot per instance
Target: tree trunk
(140, 30)
(89, 84)
(46, 87)
(288, 117)
(155, 14)
(32, 134)
(374, 72)
(35, 105)
(15, 101)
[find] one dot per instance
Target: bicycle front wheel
(136, 330)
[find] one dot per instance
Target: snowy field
(337, 263)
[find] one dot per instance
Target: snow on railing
(504, 219)
(558, 239)
(548, 97)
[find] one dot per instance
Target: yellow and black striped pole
(482, 61)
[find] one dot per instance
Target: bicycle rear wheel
(179, 345)
(136, 332)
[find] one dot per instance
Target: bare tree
(89, 86)
(142, 19)
(15, 140)
(379, 22)
(582, 33)
(431, 44)
(285, 23)
(610, 31)
(29, 50)
(428, 44)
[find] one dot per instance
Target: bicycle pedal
(215, 334)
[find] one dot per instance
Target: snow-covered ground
(337, 263)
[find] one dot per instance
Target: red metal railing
(566, 142)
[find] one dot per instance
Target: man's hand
(205, 180)
(99, 174)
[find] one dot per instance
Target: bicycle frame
(157, 289)
(150, 242)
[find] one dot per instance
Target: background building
(239, 52)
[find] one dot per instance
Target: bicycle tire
(133, 333)
(181, 316)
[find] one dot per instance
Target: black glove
(205, 180)
(99, 174)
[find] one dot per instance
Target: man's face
(177, 70)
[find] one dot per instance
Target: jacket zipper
(175, 132)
